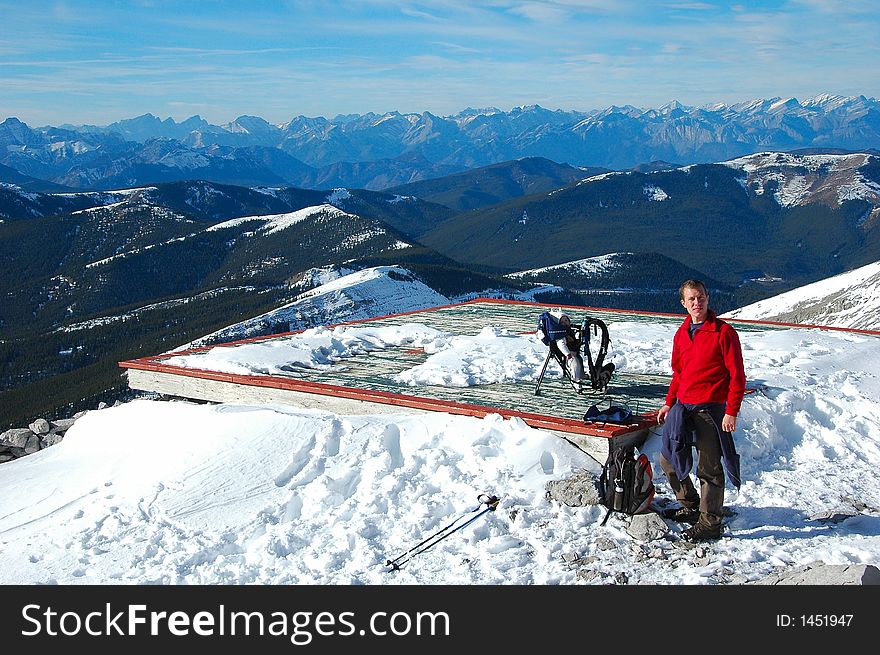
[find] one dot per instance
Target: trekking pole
(491, 502)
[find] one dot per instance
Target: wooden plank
(221, 391)
(191, 383)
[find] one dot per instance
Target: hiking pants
(710, 472)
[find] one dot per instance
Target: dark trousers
(710, 473)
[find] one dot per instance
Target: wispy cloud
(695, 6)
(78, 61)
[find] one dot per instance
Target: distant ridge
(489, 185)
(12, 178)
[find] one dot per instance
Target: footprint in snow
(548, 463)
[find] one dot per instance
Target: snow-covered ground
(178, 493)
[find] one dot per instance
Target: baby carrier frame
(598, 374)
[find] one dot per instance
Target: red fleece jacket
(708, 369)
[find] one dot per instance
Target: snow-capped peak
(351, 296)
(801, 179)
(276, 222)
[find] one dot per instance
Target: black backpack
(627, 481)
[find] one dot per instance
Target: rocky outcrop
(819, 573)
(42, 433)
(580, 490)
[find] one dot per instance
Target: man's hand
(662, 412)
(728, 423)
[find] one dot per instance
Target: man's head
(695, 299)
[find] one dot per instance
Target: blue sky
(99, 61)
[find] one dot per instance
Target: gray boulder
(62, 424)
(16, 437)
(32, 445)
(51, 439)
(580, 490)
(40, 426)
(833, 516)
(819, 573)
(647, 527)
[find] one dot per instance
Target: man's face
(696, 302)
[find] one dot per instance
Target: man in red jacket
(704, 398)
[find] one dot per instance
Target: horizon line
(717, 105)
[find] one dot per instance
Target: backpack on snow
(627, 481)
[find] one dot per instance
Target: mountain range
(379, 151)
(783, 217)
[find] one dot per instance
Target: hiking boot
(701, 532)
(682, 515)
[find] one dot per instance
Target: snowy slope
(363, 294)
(589, 267)
(851, 300)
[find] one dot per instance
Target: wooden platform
(365, 383)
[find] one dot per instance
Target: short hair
(692, 284)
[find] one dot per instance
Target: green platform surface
(375, 371)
